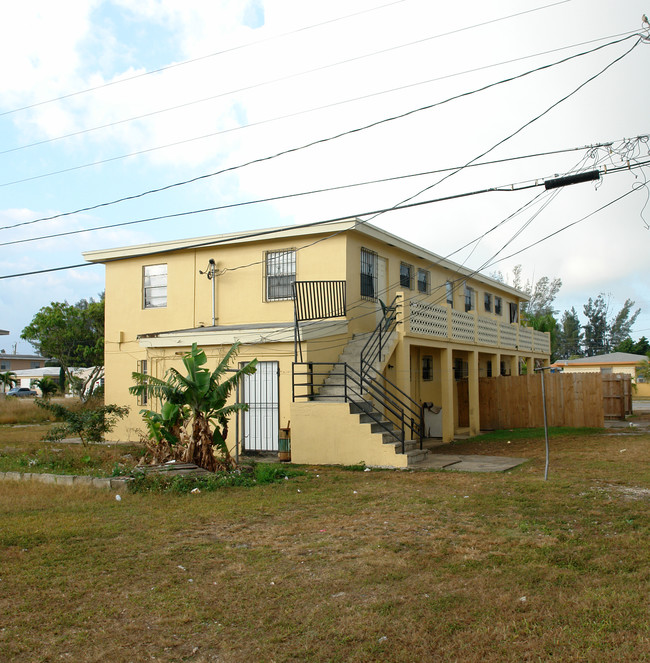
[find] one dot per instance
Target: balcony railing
(435, 321)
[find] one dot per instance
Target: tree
(538, 312)
(569, 338)
(621, 326)
(193, 423)
(595, 339)
(73, 335)
(8, 379)
(602, 335)
(47, 386)
(542, 294)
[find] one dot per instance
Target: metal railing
(387, 406)
(372, 350)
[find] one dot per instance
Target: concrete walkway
(468, 463)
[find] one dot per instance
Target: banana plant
(195, 409)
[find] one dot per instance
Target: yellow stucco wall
(327, 434)
(642, 390)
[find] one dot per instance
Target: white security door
(261, 423)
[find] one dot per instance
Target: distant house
(14, 362)
(615, 362)
(27, 377)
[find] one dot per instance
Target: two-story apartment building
(305, 301)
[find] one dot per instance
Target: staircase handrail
(375, 344)
(356, 388)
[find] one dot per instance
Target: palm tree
(194, 413)
(47, 386)
(8, 379)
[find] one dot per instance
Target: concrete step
(416, 456)
(360, 406)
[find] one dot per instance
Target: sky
(147, 102)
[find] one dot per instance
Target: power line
(289, 115)
(213, 242)
(344, 133)
(273, 38)
(294, 195)
(260, 122)
(198, 59)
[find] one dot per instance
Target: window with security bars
(142, 368)
(424, 281)
(368, 274)
(449, 288)
(488, 302)
(280, 274)
(427, 368)
(154, 286)
(461, 369)
(406, 275)
(470, 299)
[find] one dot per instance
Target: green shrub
(255, 475)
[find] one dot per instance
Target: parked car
(21, 392)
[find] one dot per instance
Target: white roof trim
(285, 232)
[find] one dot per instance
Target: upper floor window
(154, 286)
(449, 286)
(470, 299)
(498, 306)
(5, 365)
(424, 281)
(514, 312)
(280, 274)
(368, 274)
(488, 302)
(406, 275)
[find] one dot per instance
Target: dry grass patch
(22, 449)
(340, 566)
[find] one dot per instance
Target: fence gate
(261, 423)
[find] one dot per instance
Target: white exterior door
(261, 423)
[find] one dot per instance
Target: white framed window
(368, 274)
(514, 312)
(424, 281)
(406, 275)
(280, 274)
(154, 286)
(498, 306)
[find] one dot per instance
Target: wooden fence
(572, 399)
(617, 395)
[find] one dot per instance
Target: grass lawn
(340, 565)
